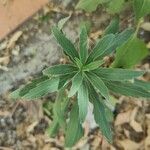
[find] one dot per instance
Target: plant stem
(138, 27)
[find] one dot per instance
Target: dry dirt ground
(31, 48)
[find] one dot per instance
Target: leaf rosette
(86, 79)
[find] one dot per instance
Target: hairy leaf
(143, 84)
(83, 99)
(117, 74)
(60, 107)
(76, 82)
(43, 88)
(24, 90)
(113, 27)
(102, 46)
(60, 70)
(93, 65)
(83, 44)
(86, 24)
(98, 84)
(65, 43)
(109, 114)
(64, 79)
(110, 45)
(74, 129)
(118, 41)
(62, 22)
(100, 115)
(78, 63)
(53, 128)
(123, 37)
(126, 88)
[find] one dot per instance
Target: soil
(27, 52)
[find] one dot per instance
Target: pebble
(3, 45)
(16, 50)
(2, 123)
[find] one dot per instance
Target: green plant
(112, 6)
(87, 81)
(134, 46)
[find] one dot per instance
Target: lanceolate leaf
(123, 36)
(65, 43)
(130, 53)
(78, 63)
(109, 114)
(59, 108)
(100, 115)
(143, 84)
(93, 65)
(102, 45)
(108, 44)
(76, 82)
(98, 84)
(24, 90)
(83, 44)
(117, 74)
(53, 128)
(128, 89)
(60, 70)
(64, 79)
(43, 88)
(74, 129)
(62, 22)
(86, 24)
(120, 39)
(141, 8)
(113, 27)
(83, 99)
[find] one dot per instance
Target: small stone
(146, 26)
(2, 123)
(25, 37)
(3, 45)
(16, 50)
